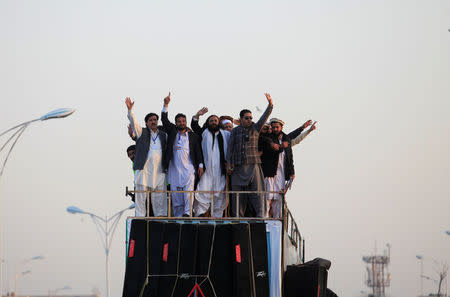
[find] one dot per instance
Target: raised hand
(269, 99)
(307, 124)
(313, 126)
(128, 103)
(167, 100)
(201, 112)
(237, 122)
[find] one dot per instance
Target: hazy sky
(374, 74)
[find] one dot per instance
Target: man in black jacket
(278, 167)
(183, 158)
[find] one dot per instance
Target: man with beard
(184, 160)
(244, 162)
(278, 167)
(148, 162)
(214, 143)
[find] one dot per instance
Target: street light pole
(107, 230)
(55, 291)
(16, 277)
(420, 258)
(55, 114)
(22, 264)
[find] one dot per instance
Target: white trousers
(276, 208)
(274, 200)
(181, 202)
(158, 200)
(219, 206)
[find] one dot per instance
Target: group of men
(257, 156)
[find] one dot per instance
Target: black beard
(214, 128)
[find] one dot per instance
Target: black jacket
(195, 149)
(143, 145)
(270, 158)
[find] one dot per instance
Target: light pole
(16, 277)
(55, 291)
(55, 114)
(35, 258)
(106, 231)
(420, 258)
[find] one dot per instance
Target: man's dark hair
(180, 115)
(206, 124)
(150, 115)
(131, 147)
(244, 111)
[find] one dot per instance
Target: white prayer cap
(275, 120)
(224, 122)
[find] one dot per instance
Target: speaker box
(187, 260)
(258, 238)
(305, 281)
(242, 261)
(169, 259)
(221, 269)
(136, 266)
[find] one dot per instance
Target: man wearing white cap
(278, 167)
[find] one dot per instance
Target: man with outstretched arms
(184, 160)
(214, 143)
(278, 167)
(244, 162)
(148, 162)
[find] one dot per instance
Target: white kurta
(152, 174)
(212, 179)
(277, 184)
(181, 175)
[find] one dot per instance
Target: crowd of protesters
(224, 154)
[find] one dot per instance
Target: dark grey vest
(143, 145)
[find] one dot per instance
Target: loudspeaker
(169, 259)
(305, 281)
(136, 266)
(221, 270)
(187, 259)
(258, 238)
(242, 261)
(155, 233)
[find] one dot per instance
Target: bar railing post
(212, 204)
(237, 205)
(169, 204)
(148, 195)
(262, 211)
(191, 202)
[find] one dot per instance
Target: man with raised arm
(148, 162)
(244, 162)
(184, 160)
(278, 167)
(214, 147)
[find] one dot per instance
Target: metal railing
(235, 195)
(290, 227)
